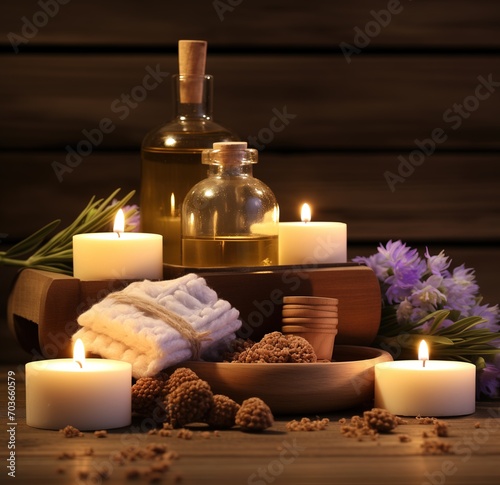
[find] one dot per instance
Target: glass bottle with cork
(171, 153)
(231, 218)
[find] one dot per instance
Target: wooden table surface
(275, 456)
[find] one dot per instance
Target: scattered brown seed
(162, 466)
(477, 424)
(380, 420)
(436, 447)
(425, 420)
(440, 428)
(404, 438)
(132, 473)
(71, 432)
(185, 434)
(83, 474)
(370, 424)
(305, 424)
(102, 433)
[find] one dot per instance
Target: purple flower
(461, 290)
(426, 294)
(437, 265)
(407, 269)
(377, 263)
(489, 313)
(489, 380)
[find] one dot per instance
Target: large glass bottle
(230, 218)
(171, 153)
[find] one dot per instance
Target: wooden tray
(299, 388)
(43, 306)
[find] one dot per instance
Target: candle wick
(118, 232)
(423, 362)
(79, 363)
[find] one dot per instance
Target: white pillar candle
(89, 394)
(118, 255)
(309, 242)
(426, 387)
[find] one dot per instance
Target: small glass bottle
(171, 153)
(230, 218)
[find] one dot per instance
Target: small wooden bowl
(322, 340)
(299, 388)
(305, 321)
(298, 329)
(306, 313)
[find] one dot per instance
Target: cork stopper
(230, 145)
(192, 60)
(229, 152)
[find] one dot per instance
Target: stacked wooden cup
(313, 318)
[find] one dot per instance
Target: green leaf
(29, 244)
(57, 253)
(436, 339)
(439, 316)
(461, 326)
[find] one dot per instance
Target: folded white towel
(123, 331)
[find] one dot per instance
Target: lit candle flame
(172, 205)
(305, 213)
(119, 225)
(423, 352)
(79, 353)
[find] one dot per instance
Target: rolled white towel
(117, 327)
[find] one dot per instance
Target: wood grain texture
(450, 197)
(485, 260)
(313, 458)
(381, 102)
(346, 382)
(53, 302)
(261, 23)
(266, 55)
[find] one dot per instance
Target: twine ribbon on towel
(175, 321)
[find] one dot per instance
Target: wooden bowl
(299, 388)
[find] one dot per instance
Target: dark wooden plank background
(353, 119)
